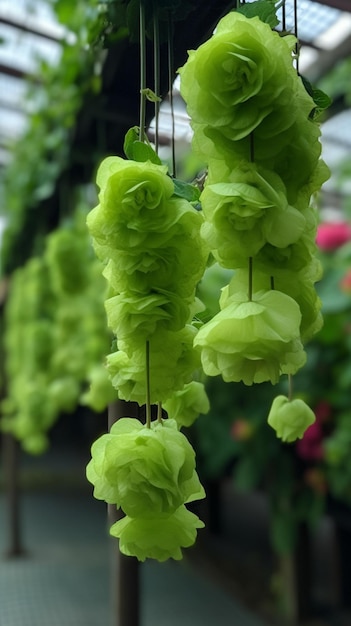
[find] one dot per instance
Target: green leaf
(320, 98)
(264, 9)
(144, 152)
(131, 136)
(186, 190)
(137, 150)
(150, 95)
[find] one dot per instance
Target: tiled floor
(64, 578)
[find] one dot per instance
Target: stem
(142, 110)
(290, 392)
(272, 283)
(170, 88)
(252, 147)
(250, 278)
(159, 412)
(295, 33)
(283, 17)
(147, 373)
(156, 73)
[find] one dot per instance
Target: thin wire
(142, 109)
(170, 89)
(296, 35)
(156, 75)
(147, 373)
(283, 17)
(250, 278)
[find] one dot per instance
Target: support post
(125, 583)
(11, 476)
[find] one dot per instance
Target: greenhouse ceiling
(29, 32)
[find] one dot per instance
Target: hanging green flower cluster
(148, 239)
(253, 125)
(55, 335)
(149, 473)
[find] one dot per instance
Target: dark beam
(341, 5)
(12, 71)
(38, 32)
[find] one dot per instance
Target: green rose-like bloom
(175, 266)
(290, 418)
(240, 76)
(159, 538)
(188, 403)
(134, 200)
(253, 341)
(293, 154)
(297, 285)
(173, 361)
(145, 471)
(246, 212)
(295, 256)
(139, 317)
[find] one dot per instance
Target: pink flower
(332, 235)
(310, 447)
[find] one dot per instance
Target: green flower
(295, 256)
(185, 405)
(175, 266)
(293, 154)
(139, 317)
(172, 363)
(297, 285)
(133, 200)
(160, 538)
(246, 212)
(253, 341)
(240, 76)
(290, 418)
(145, 471)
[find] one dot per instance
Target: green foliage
(337, 82)
(266, 10)
(40, 156)
(137, 150)
(55, 334)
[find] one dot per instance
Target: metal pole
(125, 583)
(11, 474)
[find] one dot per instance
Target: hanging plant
(254, 127)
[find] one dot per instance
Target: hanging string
(283, 17)
(296, 35)
(147, 384)
(250, 278)
(142, 110)
(252, 160)
(156, 74)
(159, 412)
(170, 89)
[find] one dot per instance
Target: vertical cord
(283, 17)
(147, 382)
(142, 110)
(296, 35)
(170, 89)
(250, 268)
(156, 75)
